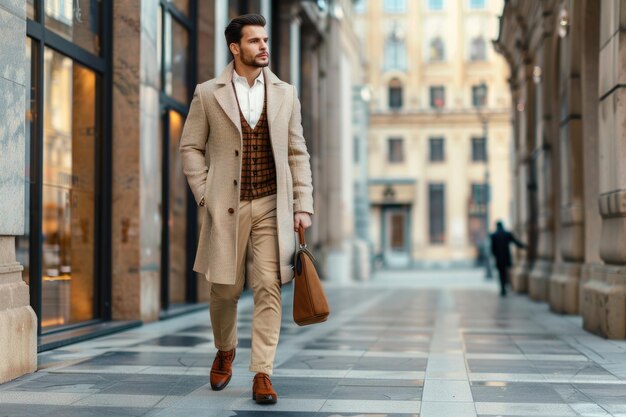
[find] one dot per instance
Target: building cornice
(444, 118)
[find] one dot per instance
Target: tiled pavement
(405, 344)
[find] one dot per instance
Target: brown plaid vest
(258, 170)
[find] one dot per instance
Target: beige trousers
(257, 231)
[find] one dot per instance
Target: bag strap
(301, 237)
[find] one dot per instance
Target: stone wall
(18, 323)
(576, 51)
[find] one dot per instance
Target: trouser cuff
(225, 348)
(264, 369)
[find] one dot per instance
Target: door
(396, 237)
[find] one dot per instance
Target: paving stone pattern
(404, 344)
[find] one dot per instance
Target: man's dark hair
(233, 30)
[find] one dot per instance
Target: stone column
(591, 160)
(337, 143)
(604, 295)
(136, 162)
(566, 276)
(18, 323)
(527, 180)
(547, 165)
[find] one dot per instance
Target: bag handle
(301, 237)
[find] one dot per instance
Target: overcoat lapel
(225, 96)
(275, 96)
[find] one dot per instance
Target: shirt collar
(239, 79)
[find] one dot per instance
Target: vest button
(236, 152)
(235, 182)
(231, 210)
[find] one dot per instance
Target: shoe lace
(264, 380)
(222, 357)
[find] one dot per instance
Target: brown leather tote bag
(310, 305)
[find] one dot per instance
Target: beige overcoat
(213, 125)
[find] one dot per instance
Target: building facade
(98, 228)
(439, 128)
(568, 63)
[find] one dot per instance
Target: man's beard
(251, 61)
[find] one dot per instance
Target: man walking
(255, 193)
(500, 242)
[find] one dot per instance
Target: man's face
(252, 49)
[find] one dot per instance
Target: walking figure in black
(500, 241)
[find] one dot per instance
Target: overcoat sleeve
(193, 146)
(298, 158)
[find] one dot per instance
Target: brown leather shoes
(222, 369)
(262, 391)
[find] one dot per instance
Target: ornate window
(437, 97)
(395, 148)
(437, 213)
(479, 150)
(395, 51)
(395, 6)
(437, 50)
(478, 49)
(395, 94)
(435, 4)
(437, 150)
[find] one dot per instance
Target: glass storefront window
(177, 220)
(159, 48)
(176, 60)
(69, 141)
(78, 21)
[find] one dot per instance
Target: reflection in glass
(70, 94)
(159, 49)
(177, 219)
(181, 5)
(31, 8)
(78, 21)
(176, 60)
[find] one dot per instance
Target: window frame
(395, 93)
(475, 103)
(483, 56)
(477, 156)
(436, 237)
(395, 55)
(394, 6)
(430, 3)
(431, 46)
(42, 37)
(168, 104)
(390, 155)
(439, 140)
(432, 99)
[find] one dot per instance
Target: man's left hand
(301, 218)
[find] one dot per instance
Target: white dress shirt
(250, 99)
